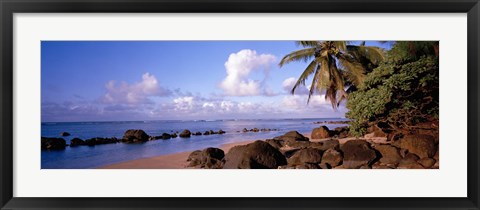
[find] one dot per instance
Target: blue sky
(159, 80)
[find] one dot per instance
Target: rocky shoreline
(130, 136)
(295, 151)
(327, 149)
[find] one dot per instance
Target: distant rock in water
(134, 136)
(198, 133)
(332, 122)
(166, 136)
(174, 135)
(64, 134)
(53, 143)
(256, 155)
(221, 131)
(185, 134)
(76, 142)
(100, 140)
(208, 158)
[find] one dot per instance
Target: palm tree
(335, 65)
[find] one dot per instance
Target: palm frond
(356, 70)
(308, 43)
(341, 45)
(299, 55)
(304, 76)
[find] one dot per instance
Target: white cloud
(299, 102)
(290, 82)
(239, 66)
(184, 103)
(136, 93)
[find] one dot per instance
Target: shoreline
(170, 161)
(179, 160)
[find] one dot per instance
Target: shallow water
(100, 155)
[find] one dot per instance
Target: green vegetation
(324, 56)
(394, 91)
(400, 93)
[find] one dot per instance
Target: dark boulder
(304, 156)
(185, 134)
(420, 144)
(256, 155)
(166, 136)
(292, 136)
(76, 142)
(277, 144)
(133, 136)
(390, 154)
(293, 139)
(53, 143)
(357, 153)
(208, 158)
(410, 162)
(427, 162)
(174, 135)
(64, 134)
(341, 132)
(375, 131)
(331, 158)
(321, 132)
(326, 144)
(221, 131)
(99, 140)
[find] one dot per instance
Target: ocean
(85, 157)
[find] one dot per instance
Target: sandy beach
(170, 161)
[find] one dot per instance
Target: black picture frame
(9, 7)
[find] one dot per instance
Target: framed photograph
(239, 105)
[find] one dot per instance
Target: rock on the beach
(185, 134)
(390, 154)
(132, 136)
(321, 132)
(293, 139)
(305, 156)
(326, 144)
(357, 153)
(341, 132)
(53, 143)
(292, 135)
(76, 142)
(208, 158)
(331, 158)
(277, 144)
(409, 162)
(420, 144)
(256, 155)
(65, 134)
(374, 131)
(427, 162)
